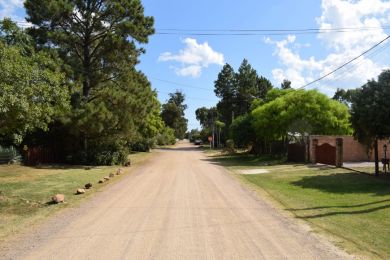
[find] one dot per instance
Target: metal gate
(326, 154)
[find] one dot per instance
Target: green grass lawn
(353, 207)
(25, 192)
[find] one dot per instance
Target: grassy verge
(26, 191)
(353, 207)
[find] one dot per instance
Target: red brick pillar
(339, 152)
(313, 147)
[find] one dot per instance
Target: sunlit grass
(351, 206)
(25, 192)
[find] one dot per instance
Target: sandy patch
(253, 171)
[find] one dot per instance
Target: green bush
(166, 137)
(142, 145)
(9, 155)
(100, 155)
(230, 146)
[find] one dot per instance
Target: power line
(274, 30)
(263, 32)
(190, 97)
(179, 84)
(251, 32)
(345, 64)
(359, 64)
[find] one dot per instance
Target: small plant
(230, 146)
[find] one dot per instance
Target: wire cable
(345, 64)
(180, 84)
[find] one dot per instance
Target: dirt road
(177, 206)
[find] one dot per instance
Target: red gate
(326, 154)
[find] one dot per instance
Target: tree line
(255, 115)
(70, 81)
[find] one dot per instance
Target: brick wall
(353, 151)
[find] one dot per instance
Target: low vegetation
(25, 192)
(352, 207)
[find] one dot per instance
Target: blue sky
(194, 61)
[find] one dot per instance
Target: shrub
(166, 137)
(230, 146)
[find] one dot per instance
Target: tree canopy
(237, 91)
(97, 39)
(73, 75)
(32, 91)
(325, 116)
(173, 114)
(370, 112)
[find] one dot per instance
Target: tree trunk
(376, 156)
(87, 54)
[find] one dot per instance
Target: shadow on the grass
(341, 207)
(246, 160)
(344, 183)
(350, 212)
(61, 167)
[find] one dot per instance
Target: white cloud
(193, 58)
(192, 70)
(341, 46)
(8, 9)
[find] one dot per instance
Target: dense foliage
(286, 114)
(32, 91)
(322, 115)
(71, 81)
(173, 114)
(237, 90)
(370, 112)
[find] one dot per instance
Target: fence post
(339, 152)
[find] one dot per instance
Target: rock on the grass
(58, 198)
(101, 181)
(106, 178)
(80, 191)
(127, 164)
(88, 185)
(119, 171)
(112, 175)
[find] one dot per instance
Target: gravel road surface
(179, 205)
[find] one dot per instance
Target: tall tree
(344, 96)
(247, 90)
(238, 91)
(173, 114)
(226, 89)
(97, 38)
(206, 116)
(286, 84)
(99, 42)
(321, 115)
(31, 86)
(370, 112)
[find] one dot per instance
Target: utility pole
(213, 128)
